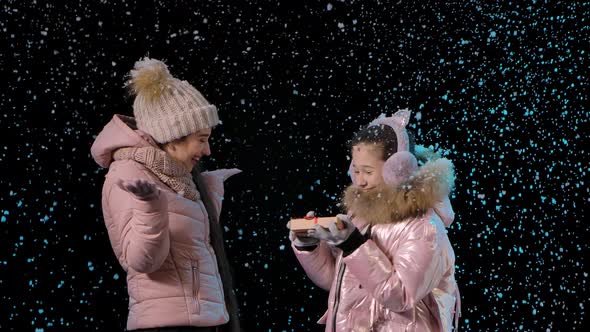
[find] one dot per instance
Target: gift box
(300, 226)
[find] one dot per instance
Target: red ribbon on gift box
(315, 219)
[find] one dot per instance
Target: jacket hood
(444, 209)
(428, 188)
(120, 132)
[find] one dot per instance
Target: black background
(501, 87)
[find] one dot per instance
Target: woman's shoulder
(214, 179)
(128, 170)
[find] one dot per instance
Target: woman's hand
(141, 189)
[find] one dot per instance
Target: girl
(392, 267)
(164, 228)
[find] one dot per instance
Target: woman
(163, 226)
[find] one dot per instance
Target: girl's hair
(382, 136)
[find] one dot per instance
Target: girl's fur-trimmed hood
(430, 184)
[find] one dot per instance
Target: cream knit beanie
(165, 107)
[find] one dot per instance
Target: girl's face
(367, 166)
(191, 148)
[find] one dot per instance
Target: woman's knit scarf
(168, 170)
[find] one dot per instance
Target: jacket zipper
(207, 221)
(195, 271)
(208, 245)
(341, 269)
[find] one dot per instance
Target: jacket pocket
(195, 286)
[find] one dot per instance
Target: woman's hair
(176, 141)
(382, 136)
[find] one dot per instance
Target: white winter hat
(165, 107)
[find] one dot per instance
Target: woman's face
(191, 149)
(367, 166)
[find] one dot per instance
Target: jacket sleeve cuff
(354, 241)
(306, 248)
(153, 204)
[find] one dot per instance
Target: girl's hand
(303, 241)
(333, 236)
(142, 189)
(299, 241)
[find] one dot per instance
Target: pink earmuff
(402, 164)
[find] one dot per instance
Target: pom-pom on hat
(165, 107)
